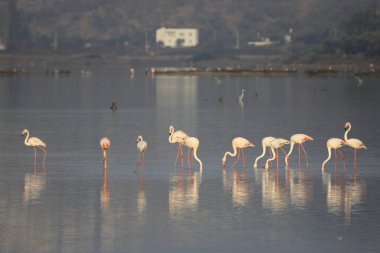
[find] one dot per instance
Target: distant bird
(35, 143)
(336, 144)
(113, 106)
(360, 81)
(275, 145)
(241, 96)
(218, 81)
(141, 147)
(353, 143)
(177, 137)
(105, 144)
(266, 144)
(193, 143)
(238, 143)
(298, 139)
(220, 99)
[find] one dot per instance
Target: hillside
(113, 22)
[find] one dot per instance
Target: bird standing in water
(141, 147)
(238, 144)
(105, 144)
(35, 143)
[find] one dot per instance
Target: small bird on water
(113, 106)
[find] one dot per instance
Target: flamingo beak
(342, 143)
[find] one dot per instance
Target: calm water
(74, 208)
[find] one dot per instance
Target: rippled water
(75, 207)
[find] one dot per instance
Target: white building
(177, 37)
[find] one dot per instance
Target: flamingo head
(139, 138)
(105, 143)
(342, 142)
(363, 146)
(224, 162)
(24, 132)
(250, 144)
(308, 138)
(347, 125)
(171, 130)
(242, 90)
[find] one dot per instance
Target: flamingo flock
(239, 144)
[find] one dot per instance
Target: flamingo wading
(141, 147)
(177, 137)
(336, 144)
(105, 144)
(266, 144)
(276, 144)
(353, 143)
(193, 143)
(35, 143)
(298, 139)
(238, 143)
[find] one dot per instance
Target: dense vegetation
(125, 25)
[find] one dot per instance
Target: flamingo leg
(43, 163)
(137, 164)
(242, 151)
(236, 159)
(188, 158)
(191, 158)
(176, 159)
(180, 148)
(307, 164)
(270, 156)
(35, 160)
(336, 158)
(343, 158)
(277, 157)
(299, 156)
(142, 161)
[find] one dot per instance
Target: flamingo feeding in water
(336, 144)
(177, 137)
(265, 142)
(298, 139)
(35, 143)
(238, 143)
(193, 143)
(276, 144)
(353, 143)
(105, 144)
(141, 147)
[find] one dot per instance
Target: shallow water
(75, 208)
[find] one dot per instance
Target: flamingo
(35, 143)
(177, 137)
(353, 143)
(276, 144)
(105, 144)
(241, 96)
(141, 147)
(298, 139)
(266, 141)
(238, 143)
(336, 144)
(193, 143)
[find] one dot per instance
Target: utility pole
(237, 46)
(146, 43)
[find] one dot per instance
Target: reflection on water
(34, 185)
(141, 199)
(184, 192)
(343, 194)
(300, 187)
(105, 194)
(273, 191)
(239, 185)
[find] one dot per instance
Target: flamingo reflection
(300, 187)
(342, 195)
(184, 192)
(273, 193)
(34, 184)
(239, 187)
(141, 198)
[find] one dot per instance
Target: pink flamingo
(105, 144)
(238, 143)
(177, 137)
(193, 143)
(336, 144)
(276, 144)
(265, 142)
(35, 143)
(353, 143)
(141, 147)
(298, 139)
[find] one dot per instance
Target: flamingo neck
(230, 154)
(290, 151)
(272, 158)
(27, 139)
(346, 133)
(198, 160)
(328, 157)
(171, 137)
(262, 155)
